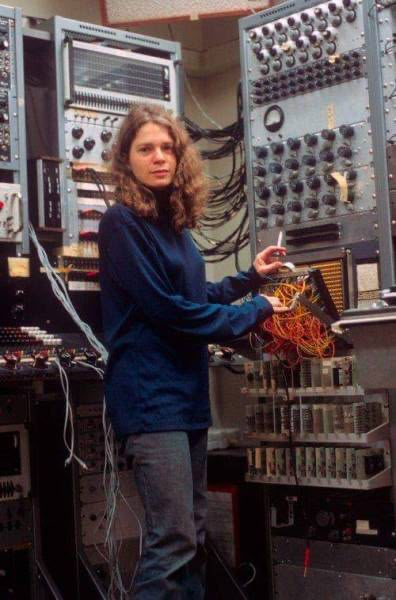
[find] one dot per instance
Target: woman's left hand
(265, 263)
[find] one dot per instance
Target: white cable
(99, 371)
(112, 486)
(196, 101)
(253, 577)
(68, 418)
(60, 290)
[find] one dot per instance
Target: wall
(73, 9)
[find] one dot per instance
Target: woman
(159, 315)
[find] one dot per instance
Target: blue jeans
(170, 473)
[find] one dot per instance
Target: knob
(3, 117)
(302, 42)
(261, 152)
(11, 359)
(312, 214)
(344, 151)
(267, 30)
(77, 151)
(292, 163)
(309, 160)
(330, 34)
(334, 8)
(291, 21)
(326, 156)
(106, 155)
(294, 34)
(77, 132)
(351, 175)
(262, 212)
(295, 206)
(290, 61)
(303, 57)
(296, 186)
(268, 43)
(347, 131)
(311, 203)
(66, 358)
(89, 143)
(275, 167)
(329, 179)
(313, 183)
(310, 139)
(329, 199)
(106, 135)
(336, 21)
(280, 189)
(317, 53)
(263, 56)
(320, 13)
(255, 35)
(277, 65)
(322, 25)
(315, 38)
(293, 143)
(277, 148)
(328, 134)
(278, 209)
(4, 44)
(331, 48)
(259, 171)
(263, 192)
(350, 16)
(41, 360)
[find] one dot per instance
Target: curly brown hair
(189, 189)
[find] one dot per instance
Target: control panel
(13, 176)
(98, 73)
(319, 113)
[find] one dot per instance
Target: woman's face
(152, 156)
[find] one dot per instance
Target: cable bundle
(228, 200)
(297, 334)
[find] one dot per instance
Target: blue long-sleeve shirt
(159, 314)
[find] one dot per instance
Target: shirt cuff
(265, 306)
(255, 279)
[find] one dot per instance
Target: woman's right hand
(276, 304)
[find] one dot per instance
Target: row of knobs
(297, 187)
(329, 200)
(327, 154)
(89, 143)
(306, 78)
(271, 42)
(308, 160)
(304, 24)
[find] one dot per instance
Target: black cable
(97, 179)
